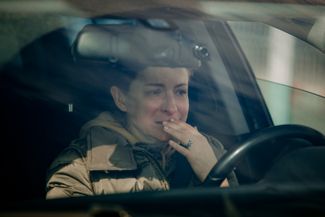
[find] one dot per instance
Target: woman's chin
(163, 137)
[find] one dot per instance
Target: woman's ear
(119, 98)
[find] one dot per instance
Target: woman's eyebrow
(162, 85)
(155, 84)
(180, 85)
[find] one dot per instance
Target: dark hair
(122, 75)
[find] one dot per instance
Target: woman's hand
(199, 154)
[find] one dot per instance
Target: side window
(289, 72)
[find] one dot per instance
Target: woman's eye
(153, 92)
(181, 92)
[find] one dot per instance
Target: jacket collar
(106, 120)
(109, 145)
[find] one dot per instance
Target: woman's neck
(141, 137)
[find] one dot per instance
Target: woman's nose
(170, 105)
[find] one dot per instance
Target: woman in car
(143, 144)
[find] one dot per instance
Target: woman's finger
(178, 147)
(180, 131)
(178, 125)
(178, 135)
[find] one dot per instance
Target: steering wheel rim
(229, 160)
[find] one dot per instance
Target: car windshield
(113, 98)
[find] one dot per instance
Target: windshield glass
(152, 99)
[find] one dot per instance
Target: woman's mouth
(159, 122)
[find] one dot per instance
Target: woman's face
(157, 94)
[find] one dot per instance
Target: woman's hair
(122, 76)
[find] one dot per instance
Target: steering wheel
(229, 160)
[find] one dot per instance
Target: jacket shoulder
(108, 151)
(219, 150)
(216, 145)
(75, 150)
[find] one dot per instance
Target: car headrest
(137, 45)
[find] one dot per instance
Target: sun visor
(135, 45)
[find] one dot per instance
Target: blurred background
(290, 73)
